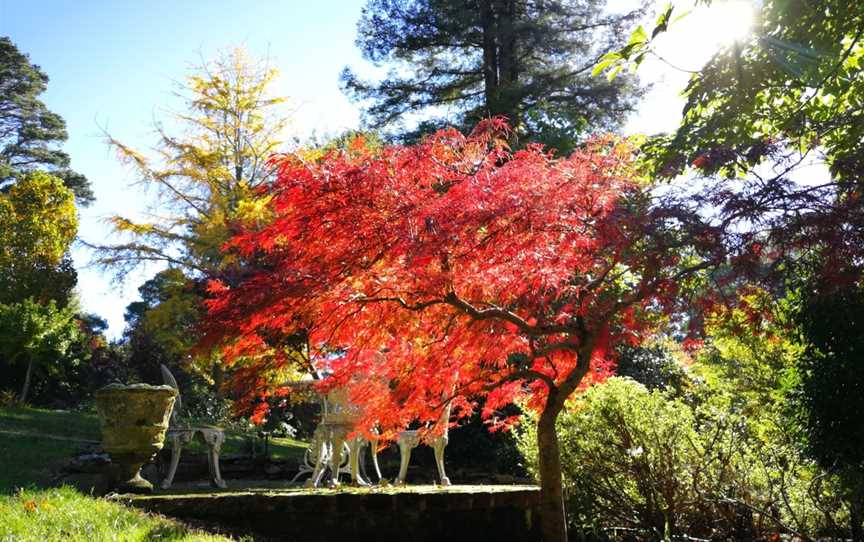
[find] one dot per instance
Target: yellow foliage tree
(38, 223)
(207, 174)
(205, 171)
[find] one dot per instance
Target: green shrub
(830, 394)
(649, 466)
(643, 462)
(653, 366)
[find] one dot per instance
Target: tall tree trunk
(490, 57)
(508, 70)
(27, 378)
(553, 522)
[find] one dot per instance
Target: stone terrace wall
(415, 514)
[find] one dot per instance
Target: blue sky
(113, 64)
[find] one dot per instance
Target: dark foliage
(43, 281)
(472, 446)
(159, 331)
(831, 393)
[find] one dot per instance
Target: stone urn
(134, 420)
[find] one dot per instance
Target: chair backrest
(337, 408)
(441, 426)
(169, 379)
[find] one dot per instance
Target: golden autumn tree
(205, 170)
(38, 223)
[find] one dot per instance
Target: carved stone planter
(134, 420)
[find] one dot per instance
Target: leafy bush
(640, 461)
(645, 464)
(773, 360)
(9, 399)
(39, 347)
(654, 366)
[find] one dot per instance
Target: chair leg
(361, 461)
(373, 451)
(355, 452)
(373, 447)
(337, 442)
(213, 450)
(407, 442)
(176, 448)
(320, 463)
(438, 447)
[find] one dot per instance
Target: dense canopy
(455, 269)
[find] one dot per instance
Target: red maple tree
(457, 270)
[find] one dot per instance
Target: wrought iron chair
(410, 439)
(213, 438)
(330, 450)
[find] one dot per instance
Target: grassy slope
(29, 461)
(29, 458)
(61, 423)
(32, 444)
(63, 514)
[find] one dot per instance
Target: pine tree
(29, 132)
(457, 62)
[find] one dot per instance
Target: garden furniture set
(330, 450)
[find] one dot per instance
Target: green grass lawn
(60, 423)
(33, 443)
(63, 514)
(287, 448)
(29, 460)
(237, 443)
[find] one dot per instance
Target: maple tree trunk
(552, 519)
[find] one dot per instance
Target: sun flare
(704, 30)
(732, 20)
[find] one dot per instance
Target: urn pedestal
(134, 420)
